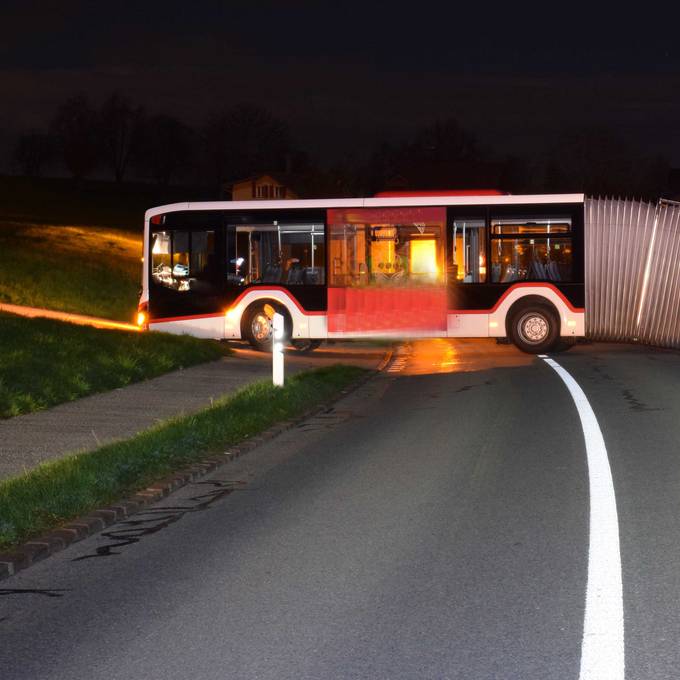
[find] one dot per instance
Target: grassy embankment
(59, 491)
(45, 362)
(87, 270)
(76, 247)
(73, 247)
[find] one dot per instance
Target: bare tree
(438, 155)
(74, 129)
(32, 152)
(119, 126)
(164, 149)
(442, 142)
(599, 161)
(245, 140)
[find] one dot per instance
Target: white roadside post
(277, 350)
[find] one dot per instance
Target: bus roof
(386, 202)
(440, 192)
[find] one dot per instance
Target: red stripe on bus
(527, 284)
(234, 303)
(280, 290)
(168, 319)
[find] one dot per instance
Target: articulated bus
(415, 264)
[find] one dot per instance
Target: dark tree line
(593, 160)
(124, 140)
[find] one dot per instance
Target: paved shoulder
(26, 441)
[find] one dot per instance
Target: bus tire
(257, 325)
(304, 345)
(534, 327)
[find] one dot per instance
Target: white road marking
(396, 367)
(400, 360)
(602, 649)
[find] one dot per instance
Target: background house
(262, 187)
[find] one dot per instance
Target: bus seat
(553, 271)
(295, 275)
(311, 275)
(271, 274)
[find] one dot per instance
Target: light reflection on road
(457, 355)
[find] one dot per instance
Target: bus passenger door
(468, 294)
(185, 283)
(387, 272)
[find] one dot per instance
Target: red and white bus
(417, 264)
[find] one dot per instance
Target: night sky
(346, 75)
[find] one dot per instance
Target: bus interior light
(424, 257)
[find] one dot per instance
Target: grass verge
(44, 362)
(59, 491)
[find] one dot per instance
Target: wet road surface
(434, 524)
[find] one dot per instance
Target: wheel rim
(261, 327)
(533, 328)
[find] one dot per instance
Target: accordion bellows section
(632, 271)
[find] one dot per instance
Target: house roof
(282, 178)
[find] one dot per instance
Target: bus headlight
(230, 321)
(143, 316)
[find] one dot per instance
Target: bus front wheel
(258, 327)
(534, 329)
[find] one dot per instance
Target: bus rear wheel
(534, 329)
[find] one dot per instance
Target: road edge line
(602, 647)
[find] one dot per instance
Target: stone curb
(37, 549)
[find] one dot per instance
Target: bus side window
(180, 259)
(238, 258)
(469, 251)
(183, 260)
(278, 253)
(203, 254)
(161, 254)
(202, 263)
(531, 248)
(303, 254)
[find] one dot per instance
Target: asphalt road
(434, 524)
